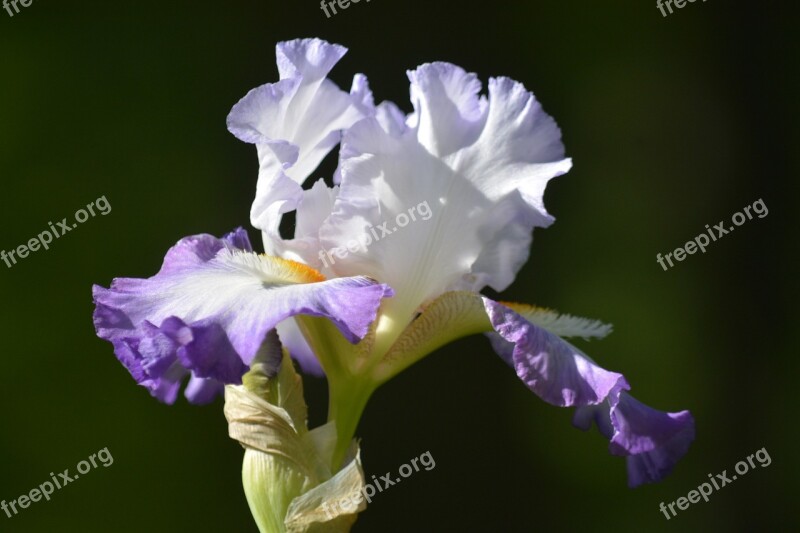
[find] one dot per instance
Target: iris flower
(360, 307)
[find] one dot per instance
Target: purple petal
(205, 350)
(211, 305)
(198, 249)
(151, 360)
(555, 370)
(293, 340)
(201, 391)
(653, 441)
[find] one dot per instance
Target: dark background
(673, 123)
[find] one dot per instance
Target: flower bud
(286, 472)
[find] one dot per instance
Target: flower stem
(347, 399)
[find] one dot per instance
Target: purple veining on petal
(555, 370)
(151, 360)
(204, 348)
(210, 307)
(652, 441)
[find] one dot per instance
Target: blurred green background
(673, 123)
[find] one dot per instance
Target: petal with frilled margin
(211, 305)
(294, 124)
(459, 188)
(551, 367)
(525, 337)
(652, 441)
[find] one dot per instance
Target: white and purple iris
(483, 162)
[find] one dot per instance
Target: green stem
(347, 399)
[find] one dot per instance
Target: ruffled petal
(478, 164)
(652, 441)
(551, 367)
(211, 305)
(291, 121)
(448, 111)
(559, 373)
(205, 349)
(155, 365)
(294, 124)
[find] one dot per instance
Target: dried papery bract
(286, 471)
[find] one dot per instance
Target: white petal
(480, 165)
(295, 123)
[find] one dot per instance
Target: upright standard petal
(481, 165)
(294, 124)
(210, 307)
